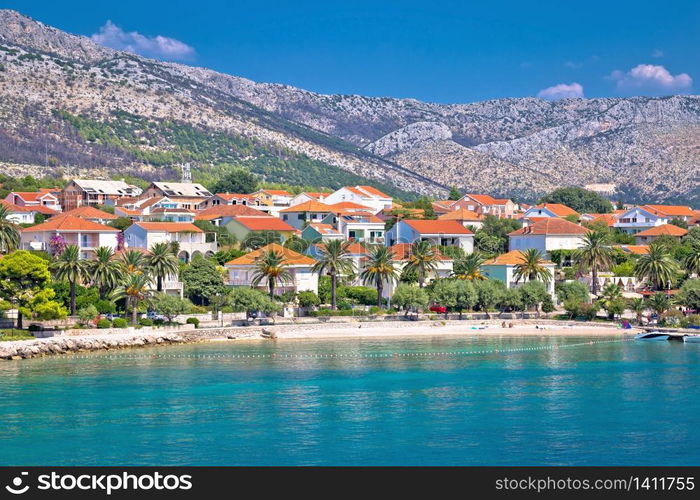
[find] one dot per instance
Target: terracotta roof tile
(512, 258)
(558, 209)
(461, 214)
(374, 191)
(402, 251)
(69, 223)
(551, 225)
(670, 210)
(218, 211)
(308, 206)
(291, 257)
(87, 212)
(664, 230)
(263, 223)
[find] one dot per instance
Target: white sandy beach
(445, 329)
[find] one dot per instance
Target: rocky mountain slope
(65, 101)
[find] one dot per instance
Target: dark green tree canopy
(581, 200)
(236, 180)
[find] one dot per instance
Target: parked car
(153, 316)
(438, 309)
(111, 316)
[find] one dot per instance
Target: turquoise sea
(491, 401)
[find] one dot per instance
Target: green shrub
(105, 307)
(364, 295)
(672, 318)
(157, 322)
(308, 299)
(193, 321)
(119, 323)
(693, 319)
(145, 322)
(339, 312)
(344, 305)
(104, 323)
(375, 310)
(35, 327)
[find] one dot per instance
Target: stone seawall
(64, 344)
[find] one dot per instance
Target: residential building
(465, 217)
(230, 199)
(305, 213)
(484, 204)
(188, 238)
(367, 196)
(307, 196)
(645, 217)
(504, 268)
(548, 234)
(220, 215)
(155, 209)
(649, 235)
(87, 235)
(633, 249)
(242, 226)
(274, 197)
(315, 232)
(25, 214)
(440, 232)
(607, 219)
(80, 192)
(241, 271)
(549, 210)
(45, 197)
(362, 227)
(92, 214)
(188, 195)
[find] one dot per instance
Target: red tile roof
(634, 249)
(461, 214)
(308, 206)
(374, 191)
(551, 225)
(486, 199)
(291, 258)
(512, 258)
(263, 224)
(437, 226)
(663, 230)
(218, 211)
(169, 227)
(558, 209)
(87, 212)
(348, 205)
(324, 228)
(70, 223)
(670, 210)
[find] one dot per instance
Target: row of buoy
(344, 356)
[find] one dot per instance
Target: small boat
(692, 339)
(652, 336)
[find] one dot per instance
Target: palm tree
(657, 266)
(691, 262)
(469, 267)
(106, 272)
(637, 306)
(161, 262)
(423, 259)
(608, 296)
(132, 261)
(136, 288)
(659, 303)
(71, 268)
(334, 259)
(271, 266)
(595, 255)
(9, 232)
(380, 268)
(532, 267)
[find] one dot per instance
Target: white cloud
(651, 77)
(159, 47)
(561, 91)
(573, 65)
(656, 53)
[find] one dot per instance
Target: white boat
(692, 339)
(652, 336)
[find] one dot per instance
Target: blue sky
(435, 51)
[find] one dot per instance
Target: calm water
(511, 401)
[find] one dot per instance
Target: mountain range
(72, 107)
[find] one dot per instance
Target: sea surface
(431, 401)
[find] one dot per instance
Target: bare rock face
(409, 137)
(647, 147)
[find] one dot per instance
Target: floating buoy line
(352, 355)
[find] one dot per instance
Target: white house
(503, 268)
(440, 232)
(649, 235)
(190, 239)
(87, 235)
(484, 204)
(307, 196)
(362, 195)
(548, 234)
(309, 212)
(549, 210)
(361, 226)
(241, 271)
(639, 219)
(24, 214)
(45, 197)
(465, 217)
